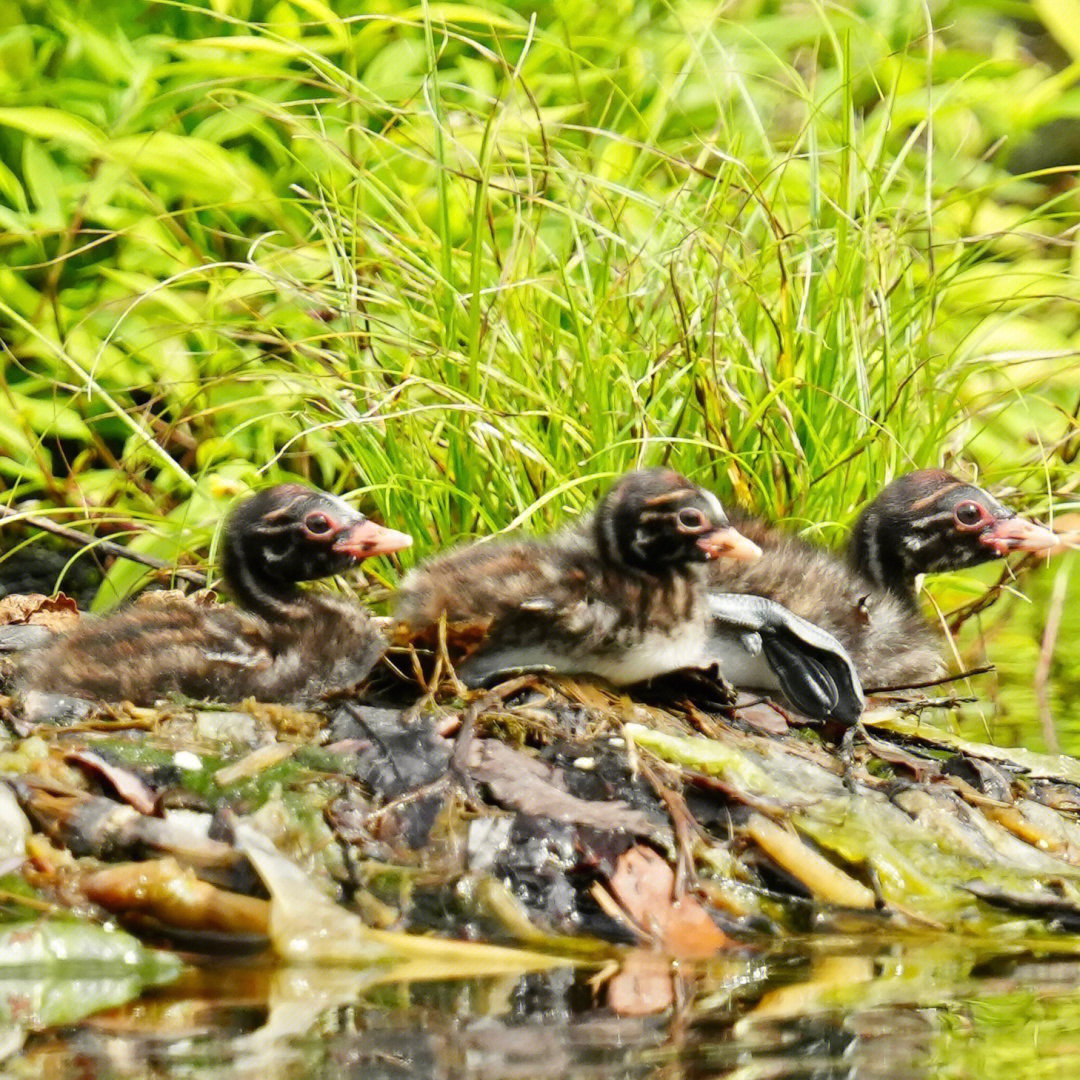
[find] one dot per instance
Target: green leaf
(45, 416)
(1062, 19)
(43, 180)
(12, 189)
(192, 165)
(13, 439)
(54, 125)
(54, 972)
(397, 70)
(461, 13)
(248, 43)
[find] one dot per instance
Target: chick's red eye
(317, 524)
(691, 520)
(968, 515)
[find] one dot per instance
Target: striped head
(656, 520)
(292, 533)
(929, 521)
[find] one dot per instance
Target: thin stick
(1046, 657)
(107, 547)
(683, 824)
(1009, 573)
(459, 760)
(930, 682)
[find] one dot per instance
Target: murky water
(928, 1005)
(839, 1008)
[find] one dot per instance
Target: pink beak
(728, 543)
(1018, 534)
(366, 539)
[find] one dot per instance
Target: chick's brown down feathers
(279, 643)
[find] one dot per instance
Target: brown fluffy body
(149, 650)
(924, 521)
(279, 643)
(558, 593)
(890, 643)
(619, 595)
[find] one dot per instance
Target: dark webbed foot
(810, 666)
(806, 682)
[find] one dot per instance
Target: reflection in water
(847, 1008)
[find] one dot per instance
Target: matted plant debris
(544, 821)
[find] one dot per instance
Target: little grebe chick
(922, 522)
(619, 595)
(280, 643)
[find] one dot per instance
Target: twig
(929, 682)
(107, 547)
(1009, 573)
(442, 659)
(922, 767)
(918, 706)
(1046, 656)
(459, 759)
(683, 824)
(457, 772)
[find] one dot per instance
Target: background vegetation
(470, 261)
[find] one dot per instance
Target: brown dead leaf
(127, 784)
(59, 613)
(203, 598)
(520, 781)
(590, 694)
(643, 885)
(160, 596)
(761, 715)
(462, 638)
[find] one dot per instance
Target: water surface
(916, 1007)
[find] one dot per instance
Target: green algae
(923, 859)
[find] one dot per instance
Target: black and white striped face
(655, 520)
(293, 533)
(929, 521)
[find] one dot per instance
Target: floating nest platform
(547, 815)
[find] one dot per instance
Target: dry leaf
(520, 781)
(643, 885)
(127, 784)
(254, 763)
(462, 638)
(59, 613)
(175, 897)
(760, 715)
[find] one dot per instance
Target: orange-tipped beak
(729, 543)
(367, 539)
(1019, 534)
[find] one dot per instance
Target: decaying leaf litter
(552, 818)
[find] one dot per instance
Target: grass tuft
(470, 262)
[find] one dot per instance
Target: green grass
(471, 261)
